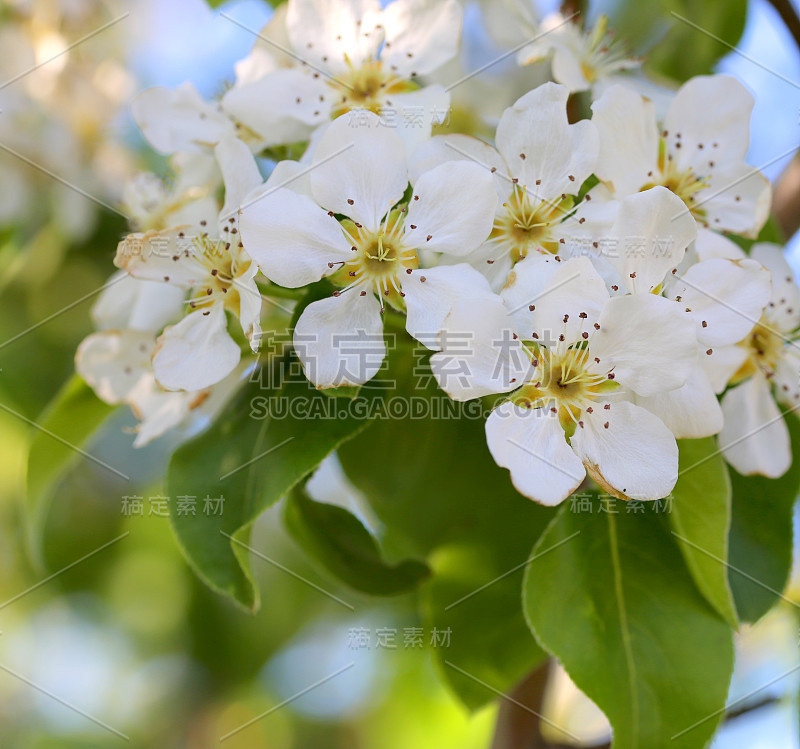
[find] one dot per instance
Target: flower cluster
(581, 271)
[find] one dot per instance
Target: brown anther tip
(605, 425)
(531, 307)
(584, 335)
(710, 351)
(350, 201)
(363, 293)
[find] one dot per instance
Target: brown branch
(519, 727)
(786, 198)
(789, 17)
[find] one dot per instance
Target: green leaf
(430, 479)
(675, 47)
(700, 517)
(761, 534)
(611, 597)
(73, 416)
(475, 598)
(276, 431)
(338, 540)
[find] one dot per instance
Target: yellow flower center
(764, 346)
(367, 87)
(379, 258)
(224, 262)
(684, 183)
(526, 224)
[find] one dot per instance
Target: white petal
(197, 352)
(127, 302)
(113, 362)
(290, 174)
(530, 443)
(567, 69)
(179, 119)
(168, 256)
(452, 209)
(329, 32)
(784, 305)
(291, 238)
(712, 115)
(412, 115)
(250, 305)
(359, 169)
(339, 340)
(710, 244)
(787, 375)
(457, 147)
(636, 456)
(652, 231)
(755, 438)
(690, 412)
(648, 341)
(480, 354)
(722, 364)
(541, 291)
(726, 298)
(541, 148)
(420, 35)
(628, 132)
(239, 173)
(737, 199)
(428, 302)
(281, 107)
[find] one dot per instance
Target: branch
(786, 199)
(789, 17)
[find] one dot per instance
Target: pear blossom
(116, 365)
(579, 58)
(698, 151)
(570, 355)
(765, 368)
(374, 254)
(639, 245)
(540, 162)
(198, 351)
(344, 55)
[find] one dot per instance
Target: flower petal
(651, 233)
(726, 298)
(239, 173)
(531, 444)
(689, 412)
(722, 364)
(359, 169)
(783, 309)
(412, 115)
(339, 340)
(634, 457)
(334, 33)
(541, 148)
(480, 354)
(127, 302)
(197, 352)
(420, 35)
(168, 256)
(428, 302)
(297, 102)
(626, 122)
(452, 210)
(648, 342)
(291, 238)
(113, 362)
(712, 115)
(754, 438)
(179, 119)
(737, 199)
(541, 291)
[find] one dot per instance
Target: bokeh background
(110, 619)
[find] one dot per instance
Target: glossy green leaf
(677, 36)
(341, 543)
(430, 479)
(761, 534)
(700, 517)
(611, 597)
(276, 431)
(66, 426)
